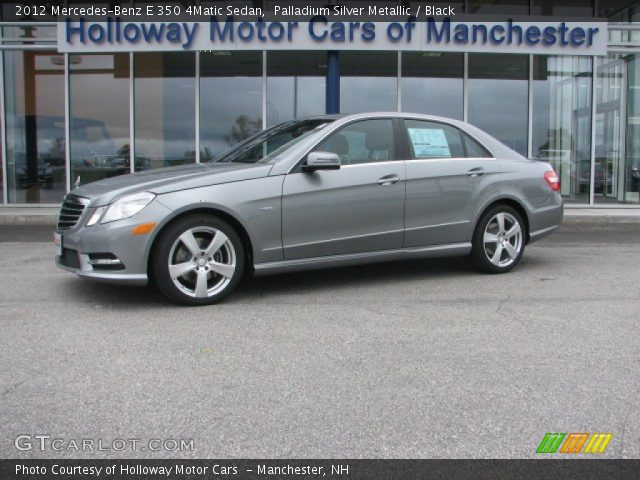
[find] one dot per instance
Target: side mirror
(321, 161)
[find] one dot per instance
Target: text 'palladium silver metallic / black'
(325, 191)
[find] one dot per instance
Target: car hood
(170, 179)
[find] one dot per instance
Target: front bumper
(114, 238)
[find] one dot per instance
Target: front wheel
(198, 260)
(498, 241)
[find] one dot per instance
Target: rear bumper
(545, 221)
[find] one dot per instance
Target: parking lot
(401, 360)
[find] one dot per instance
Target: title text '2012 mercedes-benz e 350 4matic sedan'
(325, 191)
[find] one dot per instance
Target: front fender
(255, 204)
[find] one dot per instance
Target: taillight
(552, 180)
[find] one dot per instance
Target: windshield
(264, 146)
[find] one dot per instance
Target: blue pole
(333, 82)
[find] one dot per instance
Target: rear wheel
(498, 241)
(198, 260)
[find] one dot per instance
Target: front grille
(71, 211)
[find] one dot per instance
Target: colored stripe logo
(550, 442)
(574, 442)
(598, 443)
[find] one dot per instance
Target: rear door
(448, 175)
(358, 208)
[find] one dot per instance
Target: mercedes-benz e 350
(325, 191)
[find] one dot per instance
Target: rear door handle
(476, 172)
(388, 179)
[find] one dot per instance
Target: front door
(358, 208)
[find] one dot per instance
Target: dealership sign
(117, 35)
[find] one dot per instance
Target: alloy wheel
(502, 239)
(202, 262)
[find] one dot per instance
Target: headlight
(97, 213)
(127, 206)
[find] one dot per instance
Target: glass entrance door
(609, 141)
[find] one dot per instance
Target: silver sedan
(320, 192)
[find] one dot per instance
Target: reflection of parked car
(39, 157)
(94, 154)
(336, 190)
(45, 176)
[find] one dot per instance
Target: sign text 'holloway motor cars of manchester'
(116, 34)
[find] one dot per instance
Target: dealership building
(83, 100)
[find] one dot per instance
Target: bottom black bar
(579, 469)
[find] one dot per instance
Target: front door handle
(476, 172)
(388, 180)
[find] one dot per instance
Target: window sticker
(429, 142)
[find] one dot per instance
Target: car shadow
(313, 281)
(318, 282)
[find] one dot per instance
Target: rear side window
(434, 140)
(474, 149)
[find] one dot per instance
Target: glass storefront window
(632, 167)
(368, 81)
(609, 162)
(619, 10)
(35, 128)
(230, 99)
(296, 85)
(164, 109)
(564, 8)
(99, 96)
(432, 83)
(561, 130)
(506, 7)
(498, 97)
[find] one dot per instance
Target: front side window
(434, 140)
(361, 142)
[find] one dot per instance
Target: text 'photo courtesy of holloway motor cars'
(320, 192)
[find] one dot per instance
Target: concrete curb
(28, 216)
(586, 220)
(573, 216)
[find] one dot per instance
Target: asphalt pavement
(414, 359)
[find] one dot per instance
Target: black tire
(480, 252)
(169, 247)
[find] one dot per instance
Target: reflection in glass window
(34, 99)
(432, 83)
(267, 144)
(506, 7)
(296, 85)
(609, 162)
(99, 88)
(619, 10)
(561, 129)
(498, 97)
(1, 165)
(566, 8)
(632, 167)
(361, 142)
(230, 99)
(368, 81)
(164, 109)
